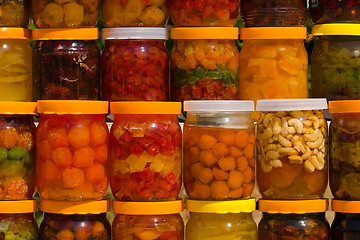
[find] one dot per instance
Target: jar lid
(205, 33)
(345, 206)
(148, 208)
(273, 33)
(344, 106)
(336, 29)
(68, 208)
(14, 33)
(221, 207)
(218, 106)
(134, 33)
(19, 206)
(72, 107)
(145, 107)
(293, 206)
(65, 34)
(291, 104)
(22, 108)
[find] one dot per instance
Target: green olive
(3, 154)
(16, 153)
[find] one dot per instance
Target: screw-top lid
(145, 107)
(218, 106)
(14, 33)
(65, 34)
(72, 107)
(291, 104)
(148, 208)
(293, 206)
(17, 108)
(19, 206)
(336, 29)
(221, 207)
(344, 106)
(345, 206)
(134, 33)
(273, 33)
(205, 33)
(85, 207)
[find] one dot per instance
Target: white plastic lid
(218, 106)
(291, 104)
(134, 33)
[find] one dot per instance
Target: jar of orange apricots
(72, 150)
(219, 139)
(292, 148)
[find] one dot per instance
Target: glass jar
(292, 148)
(204, 64)
(257, 13)
(15, 64)
(135, 64)
(17, 219)
(134, 13)
(148, 220)
(15, 13)
(273, 63)
(346, 224)
(65, 14)
(72, 150)
(334, 65)
(221, 220)
(66, 64)
(208, 13)
(219, 138)
(145, 151)
(74, 220)
(17, 150)
(294, 219)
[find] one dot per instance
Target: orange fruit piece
(95, 173)
(8, 137)
(62, 157)
(16, 188)
(57, 137)
(101, 153)
(72, 177)
(98, 133)
(49, 170)
(83, 157)
(79, 136)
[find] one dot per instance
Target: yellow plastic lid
(14, 33)
(293, 206)
(17, 108)
(85, 207)
(65, 34)
(273, 33)
(143, 107)
(336, 29)
(221, 207)
(344, 106)
(20, 206)
(148, 208)
(72, 107)
(205, 33)
(345, 206)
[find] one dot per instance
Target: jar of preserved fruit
(66, 64)
(256, 13)
(75, 220)
(148, 220)
(219, 138)
(135, 64)
(15, 64)
(65, 14)
(294, 219)
(346, 224)
(334, 65)
(17, 219)
(15, 13)
(208, 13)
(72, 150)
(273, 63)
(221, 220)
(204, 64)
(145, 151)
(292, 148)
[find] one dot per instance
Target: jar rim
(344, 206)
(19, 206)
(219, 106)
(135, 33)
(65, 34)
(291, 104)
(221, 207)
(72, 107)
(22, 108)
(69, 208)
(14, 33)
(344, 106)
(205, 33)
(349, 29)
(257, 33)
(293, 206)
(148, 208)
(145, 107)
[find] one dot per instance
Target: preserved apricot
(72, 177)
(79, 136)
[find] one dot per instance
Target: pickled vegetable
(18, 226)
(334, 11)
(14, 13)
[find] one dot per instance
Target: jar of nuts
(218, 150)
(292, 148)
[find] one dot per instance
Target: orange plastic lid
(65, 34)
(293, 206)
(85, 207)
(14, 33)
(344, 106)
(273, 33)
(143, 107)
(205, 33)
(345, 206)
(17, 108)
(221, 207)
(20, 206)
(72, 107)
(148, 208)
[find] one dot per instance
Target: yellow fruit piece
(268, 68)
(168, 167)
(136, 164)
(53, 15)
(290, 64)
(157, 165)
(18, 91)
(148, 235)
(120, 165)
(132, 11)
(274, 89)
(152, 16)
(13, 79)
(266, 51)
(73, 14)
